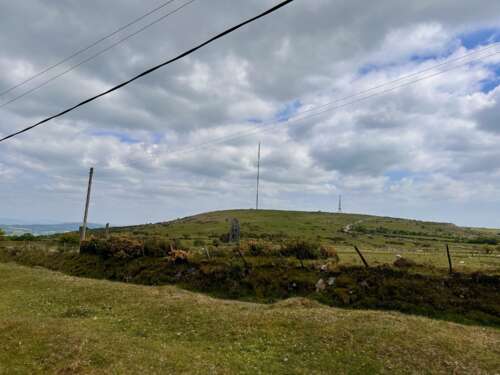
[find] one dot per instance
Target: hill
(382, 238)
(273, 223)
(52, 323)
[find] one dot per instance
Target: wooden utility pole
(85, 215)
(258, 179)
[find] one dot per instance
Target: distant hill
(43, 229)
(318, 225)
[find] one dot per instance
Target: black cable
(49, 68)
(149, 71)
(92, 57)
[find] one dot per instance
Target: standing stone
(234, 231)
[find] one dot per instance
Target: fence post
(449, 259)
(361, 256)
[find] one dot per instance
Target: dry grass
(51, 323)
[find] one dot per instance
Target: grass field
(52, 323)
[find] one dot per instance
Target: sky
(312, 82)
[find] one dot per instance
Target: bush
(257, 248)
(404, 263)
(199, 242)
(157, 247)
(115, 247)
(301, 249)
(2, 235)
(178, 257)
(329, 252)
(484, 241)
(69, 238)
(23, 237)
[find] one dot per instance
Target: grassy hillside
(382, 238)
(51, 323)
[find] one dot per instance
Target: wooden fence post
(361, 256)
(449, 259)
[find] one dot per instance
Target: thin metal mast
(258, 179)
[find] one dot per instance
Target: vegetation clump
(115, 247)
(301, 249)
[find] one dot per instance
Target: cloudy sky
(318, 82)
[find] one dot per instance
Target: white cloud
(430, 147)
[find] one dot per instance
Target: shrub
(157, 247)
(23, 237)
(483, 241)
(256, 248)
(199, 242)
(178, 257)
(404, 263)
(328, 251)
(301, 249)
(115, 247)
(69, 238)
(2, 235)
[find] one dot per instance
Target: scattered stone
(320, 285)
(331, 281)
(364, 284)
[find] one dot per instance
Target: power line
(327, 107)
(120, 41)
(359, 93)
(93, 44)
(151, 70)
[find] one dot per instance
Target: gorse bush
(115, 247)
(157, 247)
(328, 252)
(69, 238)
(23, 237)
(259, 248)
(301, 249)
(130, 248)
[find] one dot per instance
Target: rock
(364, 284)
(331, 281)
(320, 285)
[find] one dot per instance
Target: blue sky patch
(123, 137)
(290, 110)
(397, 175)
(480, 37)
(491, 83)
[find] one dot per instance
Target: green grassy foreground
(52, 323)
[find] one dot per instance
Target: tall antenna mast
(258, 179)
(340, 204)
